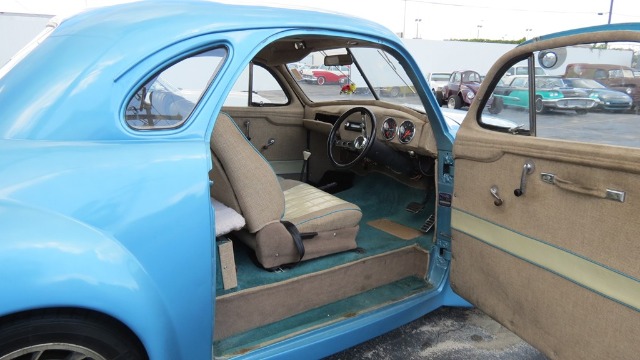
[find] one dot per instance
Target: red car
(325, 74)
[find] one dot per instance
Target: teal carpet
(379, 197)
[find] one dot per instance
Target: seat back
(242, 177)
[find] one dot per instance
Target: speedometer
(389, 127)
(406, 132)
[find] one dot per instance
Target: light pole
(418, 21)
(478, 35)
(404, 21)
(610, 12)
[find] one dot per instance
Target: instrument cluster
(405, 131)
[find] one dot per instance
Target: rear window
(167, 99)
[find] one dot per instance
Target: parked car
(607, 99)
(325, 74)
(615, 77)
(521, 70)
(137, 226)
(551, 94)
(437, 80)
(461, 89)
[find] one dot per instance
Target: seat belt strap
(297, 238)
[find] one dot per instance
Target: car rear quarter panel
(121, 229)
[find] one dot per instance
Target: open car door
(546, 216)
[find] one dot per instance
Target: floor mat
(395, 229)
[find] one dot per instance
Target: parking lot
(446, 334)
(593, 127)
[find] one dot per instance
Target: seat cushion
(313, 210)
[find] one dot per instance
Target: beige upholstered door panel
(559, 265)
(282, 124)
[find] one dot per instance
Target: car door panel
(283, 124)
(558, 265)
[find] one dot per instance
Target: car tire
(395, 91)
(540, 108)
(454, 102)
(71, 334)
(497, 106)
(581, 111)
(439, 98)
(321, 80)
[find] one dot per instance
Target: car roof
(171, 19)
(90, 52)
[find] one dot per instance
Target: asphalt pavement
(446, 334)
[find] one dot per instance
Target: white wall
(449, 56)
(16, 30)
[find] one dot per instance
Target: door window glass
(263, 87)
(584, 93)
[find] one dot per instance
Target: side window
(573, 101)
(260, 89)
(167, 99)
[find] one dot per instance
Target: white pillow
(227, 219)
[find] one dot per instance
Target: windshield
(374, 73)
(440, 77)
(585, 83)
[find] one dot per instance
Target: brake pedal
(426, 227)
(414, 207)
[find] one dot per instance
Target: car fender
(51, 261)
(464, 92)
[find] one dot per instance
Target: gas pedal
(414, 207)
(426, 227)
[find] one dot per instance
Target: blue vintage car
(168, 190)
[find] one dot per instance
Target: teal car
(551, 94)
(169, 190)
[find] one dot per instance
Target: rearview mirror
(337, 60)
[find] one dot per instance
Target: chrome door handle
(609, 194)
(527, 169)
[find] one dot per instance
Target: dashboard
(400, 130)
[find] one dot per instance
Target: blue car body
(86, 200)
(101, 216)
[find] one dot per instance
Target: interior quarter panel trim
(596, 277)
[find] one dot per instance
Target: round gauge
(406, 131)
(389, 127)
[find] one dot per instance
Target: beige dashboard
(403, 131)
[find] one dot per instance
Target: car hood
(454, 117)
(472, 85)
(611, 95)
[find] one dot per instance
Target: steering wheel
(356, 135)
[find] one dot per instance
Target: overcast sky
(443, 19)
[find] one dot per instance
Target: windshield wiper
(385, 56)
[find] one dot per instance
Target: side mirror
(553, 58)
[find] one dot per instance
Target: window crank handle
(527, 169)
(494, 193)
(269, 143)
